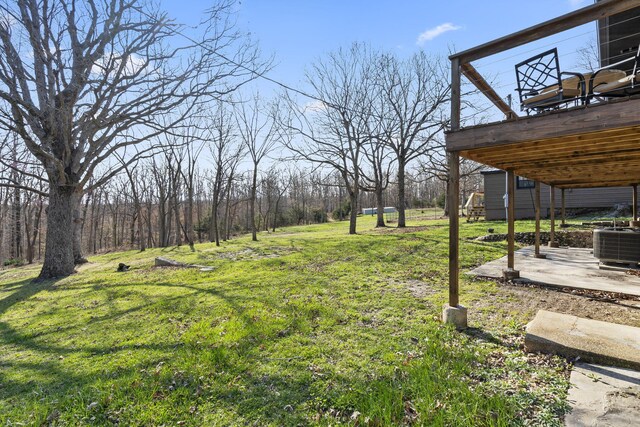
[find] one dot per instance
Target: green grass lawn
(308, 326)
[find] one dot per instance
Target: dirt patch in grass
(591, 305)
(418, 288)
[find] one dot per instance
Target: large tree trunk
(380, 206)
(353, 218)
(252, 204)
(214, 223)
(59, 253)
(176, 209)
(401, 195)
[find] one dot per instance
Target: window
(524, 183)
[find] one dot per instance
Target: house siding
(494, 190)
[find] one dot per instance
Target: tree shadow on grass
(260, 390)
(17, 292)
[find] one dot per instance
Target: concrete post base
(553, 244)
(457, 316)
(510, 274)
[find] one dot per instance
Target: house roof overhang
(592, 146)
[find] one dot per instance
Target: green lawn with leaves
(308, 326)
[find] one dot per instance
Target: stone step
(603, 396)
(591, 340)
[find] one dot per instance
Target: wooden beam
(584, 171)
(572, 150)
(635, 201)
(537, 207)
(622, 147)
(604, 136)
(453, 196)
(453, 192)
(565, 22)
(589, 183)
(455, 95)
(602, 159)
(511, 211)
(578, 122)
(552, 216)
(562, 207)
(478, 81)
(622, 140)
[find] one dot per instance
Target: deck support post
(537, 207)
(562, 209)
(453, 202)
(552, 217)
(634, 208)
(511, 273)
(454, 313)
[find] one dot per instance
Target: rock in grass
(166, 262)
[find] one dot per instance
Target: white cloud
(315, 106)
(434, 32)
(112, 62)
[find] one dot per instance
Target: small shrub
(319, 216)
(342, 212)
(16, 262)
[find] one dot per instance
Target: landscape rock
(166, 262)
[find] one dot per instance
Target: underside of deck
(592, 146)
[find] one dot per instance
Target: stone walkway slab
(603, 396)
(564, 268)
(591, 340)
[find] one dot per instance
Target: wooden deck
(590, 146)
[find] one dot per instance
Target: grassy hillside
(308, 326)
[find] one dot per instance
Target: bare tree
(80, 81)
(414, 93)
(334, 131)
(377, 172)
(589, 56)
(226, 155)
(137, 227)
(257, 130)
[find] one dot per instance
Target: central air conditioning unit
(617, 245)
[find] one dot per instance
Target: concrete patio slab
(591, 340)
(603, 396)
(564, 268)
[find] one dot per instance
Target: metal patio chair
(613, 81)
(541, 85)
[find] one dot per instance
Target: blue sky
(299, 32)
